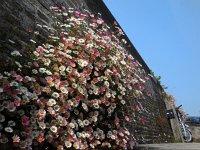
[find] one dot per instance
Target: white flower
(113, 137)
(36, 53)
(123, 62)
(62, 73)
(85, 107)
(108, 95)
(82, 62)
(62, 68)
(14, 83)
(48, 72)
(42, 70)
(8, 129)
(68, 144)
(56, 107)
(27, 78)
(80, 89)
(53, 129)
(42, 125)
(123, 102)
(55, 95)
(51, 102)
(86, 122)
(34, 71)
(72, 125)
(64, 90)
(106, 83)
(89, 45)
(74, 85)
(51, 50)
(81, 41)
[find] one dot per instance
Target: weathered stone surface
(195, 129)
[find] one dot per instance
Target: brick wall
(149, 123)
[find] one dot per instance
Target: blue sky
(166, 33)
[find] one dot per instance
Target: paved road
(170, 146)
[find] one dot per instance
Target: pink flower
(17, 103)
(77, 13)
(35, 64)
(25, 121)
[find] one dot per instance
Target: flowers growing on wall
(73, 89)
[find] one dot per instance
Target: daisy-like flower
(69, 69)
(106, 83)
(16, 138)
(56, 107)
(85, 107)
(94, 119)
(36, 53)
(40, 139)
(113, 137)
(62, 68)
(76, 145)
(41, 113)
(53, 129)
(42, 125)
(8, 129)
(48, 72)
(55, 95)
(123, 102)
(108, 95)
(62, 73)
(11, 123)
(96, 91)
(96, 106)
(81, 41)
(68, 144)
(86, 122)
(11, 107)
(14, 83)
(74, 85)
(51, 50)
(80, 89)
(25, 121)
(89, 45)
(47, 62)
(64, 90)
(82, 62)
(51, 102)
(42, 70)
(72, 125)
(34, 71)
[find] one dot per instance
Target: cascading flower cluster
(73, 91)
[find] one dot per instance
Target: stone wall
(20, 17)
(195, 129)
